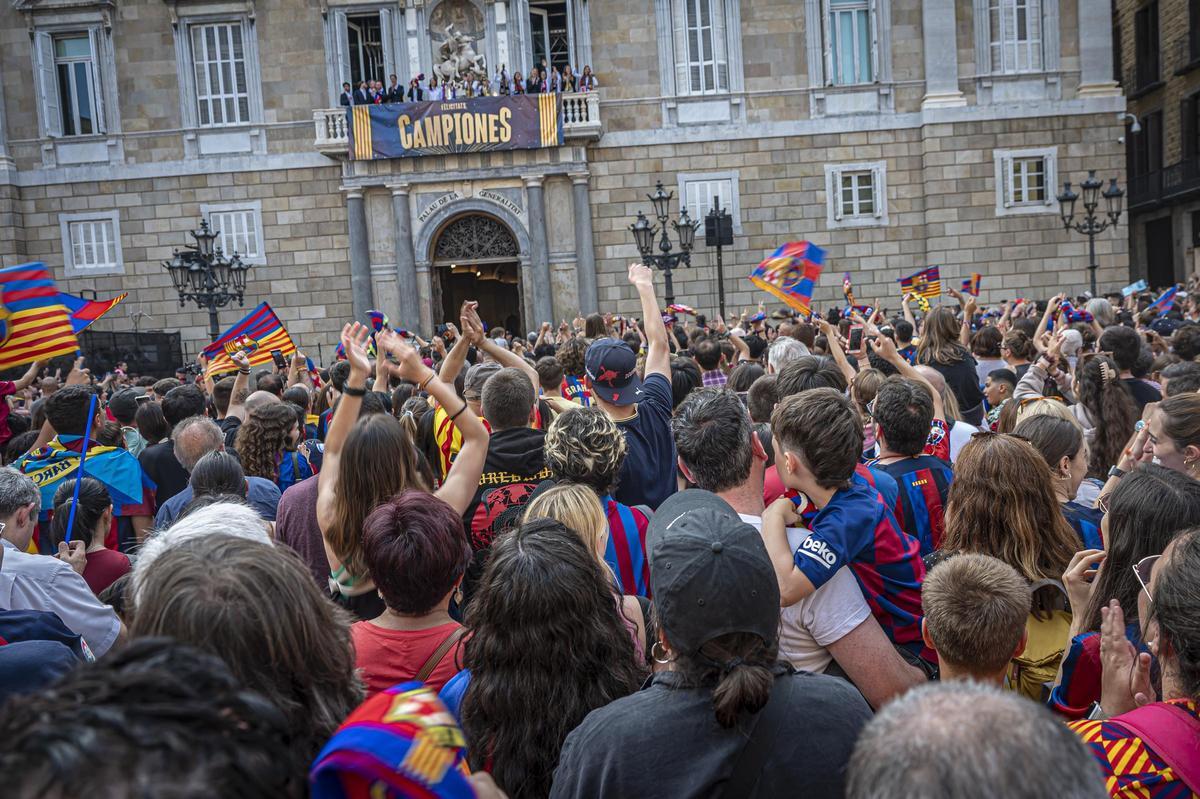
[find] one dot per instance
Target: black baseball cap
(123, 404)
(710, 574)
(612, 369)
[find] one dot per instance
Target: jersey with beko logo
(858, 530)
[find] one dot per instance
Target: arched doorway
(476, 257)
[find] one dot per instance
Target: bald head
(194, 438)
(934, 377)
(260, 398)
(915, 748)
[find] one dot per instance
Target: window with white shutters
(91, 243)
(699, 190)
(1015, 35)
(1025, 181)
(69, 85)
(856, 194)
(707, 64)
(850, 42)
(240, 230)
(219, 63)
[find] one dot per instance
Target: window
(1189, 126)
(240, 229)
(91, 244)
(707, 68)
(1145, 45)
(1025, 181)
(850, 42)
(698, 190)
(70, 89)
(856, 195)
(219, 61)
(1015, 36)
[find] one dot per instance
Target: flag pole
(87, 436)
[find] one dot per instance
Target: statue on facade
(460, 62)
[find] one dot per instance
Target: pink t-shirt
(390, 657)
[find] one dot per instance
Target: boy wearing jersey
(818, 438)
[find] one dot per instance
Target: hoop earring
(654, 653)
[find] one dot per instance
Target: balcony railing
(1145, 189)
(1181, 179)
(1187, 52)
(1142, 77)
(581, 121)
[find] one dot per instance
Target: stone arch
(428, 233)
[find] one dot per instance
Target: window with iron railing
(1146, 69)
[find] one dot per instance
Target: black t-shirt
(963, 379)
(647, 476)
(1142, 392)
(161, 465)
(664, 741)
(229, 426)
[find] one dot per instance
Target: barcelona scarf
(49, 466)
(790, 273)
(1074, 314)
(257, 335)
(400, 743)
(34, 325)
(927, 283)
(84, 312)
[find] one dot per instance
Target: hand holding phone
(280, 361)
(856, 337)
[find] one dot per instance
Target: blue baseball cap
(612, 369)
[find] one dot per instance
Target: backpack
(1033, 671)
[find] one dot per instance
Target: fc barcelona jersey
(924, 482)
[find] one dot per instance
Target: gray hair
(1102, 310)
(16, 491)
(784, 350)
(195, 437)
(966, 739)
(222, 518)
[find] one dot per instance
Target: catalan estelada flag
(258, 334)
(34, 324)
(84, 312)
(926, 283)
(1165, 301)
(790, 273)
(971, 285)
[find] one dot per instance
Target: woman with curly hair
(571, 354)
(585, 447)
(940, 348)
(270, 433)
(545, 633)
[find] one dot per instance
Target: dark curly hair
(571, 354)
(262, 438)
(545, 633)
(1111, 409)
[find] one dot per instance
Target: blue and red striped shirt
(626, 550)
(1086, 523)
(574, 389)
(924, 482)
(857, 529)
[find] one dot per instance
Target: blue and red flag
(1165, 301)
(790, 273)
(926, 283)
(971, 285)
(258, 334)
(34, 324)
(1074, 314)
(83, 312)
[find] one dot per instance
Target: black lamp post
(644, 232)
(1090, 225)
(204, 274)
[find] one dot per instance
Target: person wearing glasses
(1147, 747)
(1147, 509)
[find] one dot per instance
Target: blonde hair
(1042, 407)
(577, 507)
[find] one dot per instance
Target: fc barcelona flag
(926, 283)
(399, 130)
(84, 312)
(791, 273)
(257, 334)
(34, 324)
(971, 285)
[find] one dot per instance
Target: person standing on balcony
(362, 95)
(416, 92)
(347, 97)
(518, 83)
(535, 84)
(569, 78)
(395, 92)
(587, 81)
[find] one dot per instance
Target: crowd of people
(543, 79)
(664, 556)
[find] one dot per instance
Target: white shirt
(823, 617)
(42, 582)
(960, 434)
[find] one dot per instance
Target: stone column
(585, 252)
(941, 55)
(406, 262)
(6, 161)
(1095, 49)
(539, 253)
(360, 253)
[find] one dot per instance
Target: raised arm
(885, 348)
(1053, 308)
(502, 356)
(908, 314)
(658, 351)
(298, 371)
(354, 342)
(452, 364)
(835, 348)
(30, 375)
(458, 489)
(241, 386)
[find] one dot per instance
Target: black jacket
(361, 97)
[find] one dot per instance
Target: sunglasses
(1142, 571)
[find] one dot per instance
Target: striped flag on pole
(34, 324)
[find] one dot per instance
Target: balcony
(1145, 189)
(581, 123)
(1182, 179)
(1187, 52)
(1142, 78)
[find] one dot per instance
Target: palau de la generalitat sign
(400, 130)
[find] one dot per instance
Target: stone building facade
(851, 123)
(1159, 44)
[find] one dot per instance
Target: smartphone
(856, 337)
(277, 357)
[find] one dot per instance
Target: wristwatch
(1116, 471)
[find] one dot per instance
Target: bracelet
(350, 391)
(243, 371)
(459, 411)
(428, 380)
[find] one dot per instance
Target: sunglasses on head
(1143, 569)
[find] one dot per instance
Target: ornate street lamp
(643, 236)
(202, 273)
(1090, 225)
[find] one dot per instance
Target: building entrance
(476, 257)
